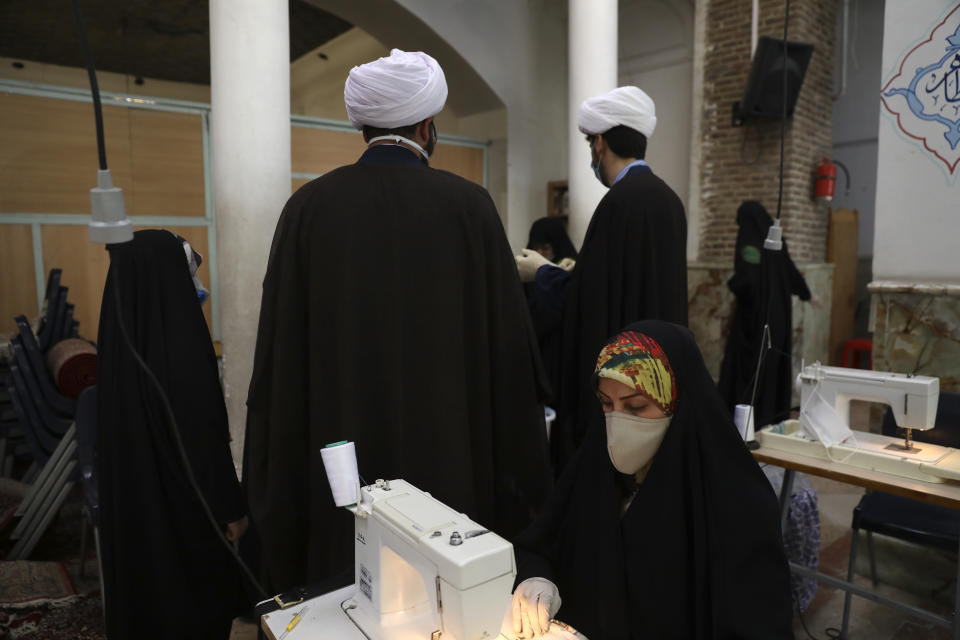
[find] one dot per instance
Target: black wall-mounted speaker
(763, 97)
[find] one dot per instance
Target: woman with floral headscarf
(663, 526)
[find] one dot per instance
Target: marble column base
(711, 309)
(917, 330)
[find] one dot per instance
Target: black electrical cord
(765, 342)
(832, 632)
(783, 112)
(94, 87)
(175, 430)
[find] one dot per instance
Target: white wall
(495, 54)
(856, 111)
(316, 84)
(519, 49)
(656, 54)
(917, 212)
(250, 149)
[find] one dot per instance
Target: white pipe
(843, 52)
(592, 55)
(754, 27)
(250, 136)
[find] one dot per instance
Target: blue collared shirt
(626, 169)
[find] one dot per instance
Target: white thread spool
(743, 418)
(340, 462)
(549, 415)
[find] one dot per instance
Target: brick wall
(741, 163)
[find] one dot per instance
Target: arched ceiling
(162, 39)
(395, 26)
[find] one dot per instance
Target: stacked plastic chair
(42, 427)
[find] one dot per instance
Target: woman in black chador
(549, 239)
(762, 283)
(662, 525)
(166, 573)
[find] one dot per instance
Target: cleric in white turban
(633, 262)
(626, 106)
(396, 91)
(388, 98)
(390, 303)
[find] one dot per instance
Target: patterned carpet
(45, 598)
(77, 618)
(24, 583)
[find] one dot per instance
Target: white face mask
(820, 421)
(632, 441)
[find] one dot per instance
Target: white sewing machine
(422, 572)
(913, 400)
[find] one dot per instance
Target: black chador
(696, 554)
(166, 574)
(392, 316)
(762, 283)
(546, 313)
(633, 266)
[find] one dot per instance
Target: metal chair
(41, 442)
(66, 327)
(55, 424)
(37, 364)
(902, 518)
(53, 300)
(55, 458)
(53, 445)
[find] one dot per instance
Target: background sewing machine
(913, 400)
(422, 571)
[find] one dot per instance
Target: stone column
(592, 59)
(250, 136)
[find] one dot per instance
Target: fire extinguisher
(826, 181)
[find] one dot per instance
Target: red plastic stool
(858, 346)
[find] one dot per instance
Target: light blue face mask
(596, 167)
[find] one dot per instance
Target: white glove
(535, 602)
(527, 264)
(561, 631)
(567, 264)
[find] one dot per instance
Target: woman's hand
(535, 602)
(237, 529)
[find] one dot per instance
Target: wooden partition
(315, 151)
(19, 291)
(49, 158)
(842, 234)
(49, 153)
(85, 266)
(158, 153)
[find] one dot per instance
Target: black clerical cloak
(698, 553)
(392, 316)
(633, 266)
(166, 574)
(762, 283)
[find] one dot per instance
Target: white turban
(396, 91)
(627, 106)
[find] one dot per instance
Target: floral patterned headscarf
(637, 361)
